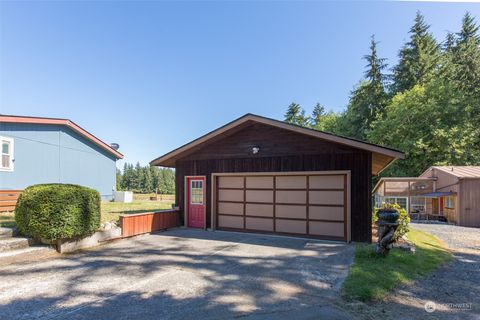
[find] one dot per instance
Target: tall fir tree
(466, 70)
(368, 100)
(469, 31)
(317, 115)
(418, 58)
(296, 115)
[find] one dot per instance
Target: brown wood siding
(271, 140)
(469, 204)
(140, 223)
(8, 199)
(281, 151)
(359, 163)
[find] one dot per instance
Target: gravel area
(456, 238)
(454, 288)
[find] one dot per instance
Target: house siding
(469, 203)
(281, 151)
(56, 154)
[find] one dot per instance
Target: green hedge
(58, 211)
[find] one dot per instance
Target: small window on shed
(450, 203)
(7, 154)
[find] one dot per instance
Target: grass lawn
(372, 277)
(111, 210)
(141, 203)
(7, 219)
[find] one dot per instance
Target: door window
(196, 192)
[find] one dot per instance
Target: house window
(196, 192)
(401, 201)
(418, 205)
(7, 154)
(450, 203)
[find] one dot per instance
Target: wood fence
(8, 199)
(139, 223)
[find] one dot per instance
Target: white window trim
(12, 153)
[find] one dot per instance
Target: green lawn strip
(112, 210)
(7, 219)
(372, 277)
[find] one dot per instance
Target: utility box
(123, 196)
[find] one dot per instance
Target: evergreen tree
(154, 174)
(118, 179)
(147, 183)
(449, 43)
(417, 59)
(368, 100)
(469, 31)
(296, 115)
(146, 179)
(317, 115)
(464, 69)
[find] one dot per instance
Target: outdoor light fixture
(255, 150)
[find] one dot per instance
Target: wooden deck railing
(8, 199)
(139, 223)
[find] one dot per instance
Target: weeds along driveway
(182, 274)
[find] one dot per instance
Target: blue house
(47, 150)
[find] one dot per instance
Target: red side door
(196, 202)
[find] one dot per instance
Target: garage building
(257, 174)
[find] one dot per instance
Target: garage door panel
(230, 195)
(291, 182)
(264, 210)
(291, 226)
(309, 204)
(326, 182)
(326, 197)
(230, 208)
(291, 211)
(263, 224)
(331, 229)
(259, 182)
(294, 197)
(230, 222)
(230, 182)
(326, 213)
(259, 196)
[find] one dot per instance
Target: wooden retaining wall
(135, 224)
(8, 199)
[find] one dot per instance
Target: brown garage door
(313, 204)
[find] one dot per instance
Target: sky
(154, 75)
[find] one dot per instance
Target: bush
(58, 211)
(403, 220)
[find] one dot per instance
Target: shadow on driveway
(183, 274)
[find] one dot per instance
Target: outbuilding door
(196, 202)
(313, 204)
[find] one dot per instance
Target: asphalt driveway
(182, 274)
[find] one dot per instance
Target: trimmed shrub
(403, 220)
(58, 211)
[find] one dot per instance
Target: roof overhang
(401, 179)
(64, 122)
(438, 194)
(381, 156)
